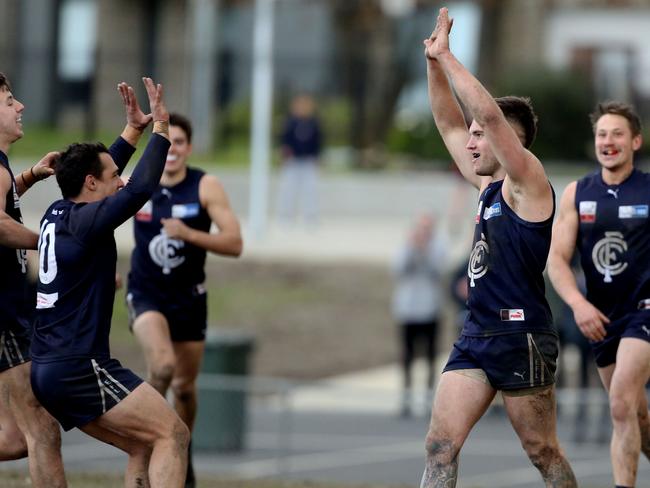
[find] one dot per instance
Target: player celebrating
(73, 375)
(508, 343)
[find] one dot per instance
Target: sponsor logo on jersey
(46, 300)
(145, 214)
(185, 210)
(607, 255)
(512, 315)
(633, 212)
(492, 211)
(477, 219)
(478, 266)
(587, 212)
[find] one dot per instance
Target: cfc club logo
(164, 252)
(477, 266)
(606, 255)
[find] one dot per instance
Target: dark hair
(617, 108)
(77, 161)
(520, 111)
(4, 82)
(182, 122)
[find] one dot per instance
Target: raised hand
(135, 117)
(156, 101)
(438, 42)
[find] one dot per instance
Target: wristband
(161, 126)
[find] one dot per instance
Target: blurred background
(310, 385)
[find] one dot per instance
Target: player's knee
(184, 391)
(13, 448)
(161, 374)
(440, 448)
(622, 409)
(542, 454)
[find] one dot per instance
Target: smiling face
(615, 143)
(179, 151)
(11, 112)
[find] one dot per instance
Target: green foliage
(562, 101)
(422, 141)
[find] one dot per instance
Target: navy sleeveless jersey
(158, 261)
(15, 303)
(505, 271)
(77, 257)
(614, 241)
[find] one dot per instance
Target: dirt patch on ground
(309, 321)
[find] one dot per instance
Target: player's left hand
(438, 42)
(45, 167)
(135, 117)
(175, 228)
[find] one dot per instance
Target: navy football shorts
(186, 313)
(635, 324)
(77, 391)
(514, 361)
(14, 345)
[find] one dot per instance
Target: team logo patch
(165, 252)
(607, 255)
(145, 214)
(492, 211)
(512, 315)
(478, 266)
(633, 212)
(587, 211)
(185, 210)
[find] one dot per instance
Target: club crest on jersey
(185, 210)
(587, 212)
(492, 211)
(477, 266)
(633, 212)
(164, 252)
(512, 315)
(145, 214)
(607, 253)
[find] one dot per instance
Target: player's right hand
(156, 101)
(590, 320)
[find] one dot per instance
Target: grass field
(309, 321)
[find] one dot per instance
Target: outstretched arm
(448, 115)
(590, 320)
(522, 167)
(213, 197)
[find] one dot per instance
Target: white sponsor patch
(185, 210)
(46, 300)
(512, 314)
(145, 214)
(587, 210)
(492, 211)
(633, 212)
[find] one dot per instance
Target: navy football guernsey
(159, 262)
(78, 255)
(505, 271)
(614, 241)
(15, 305)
